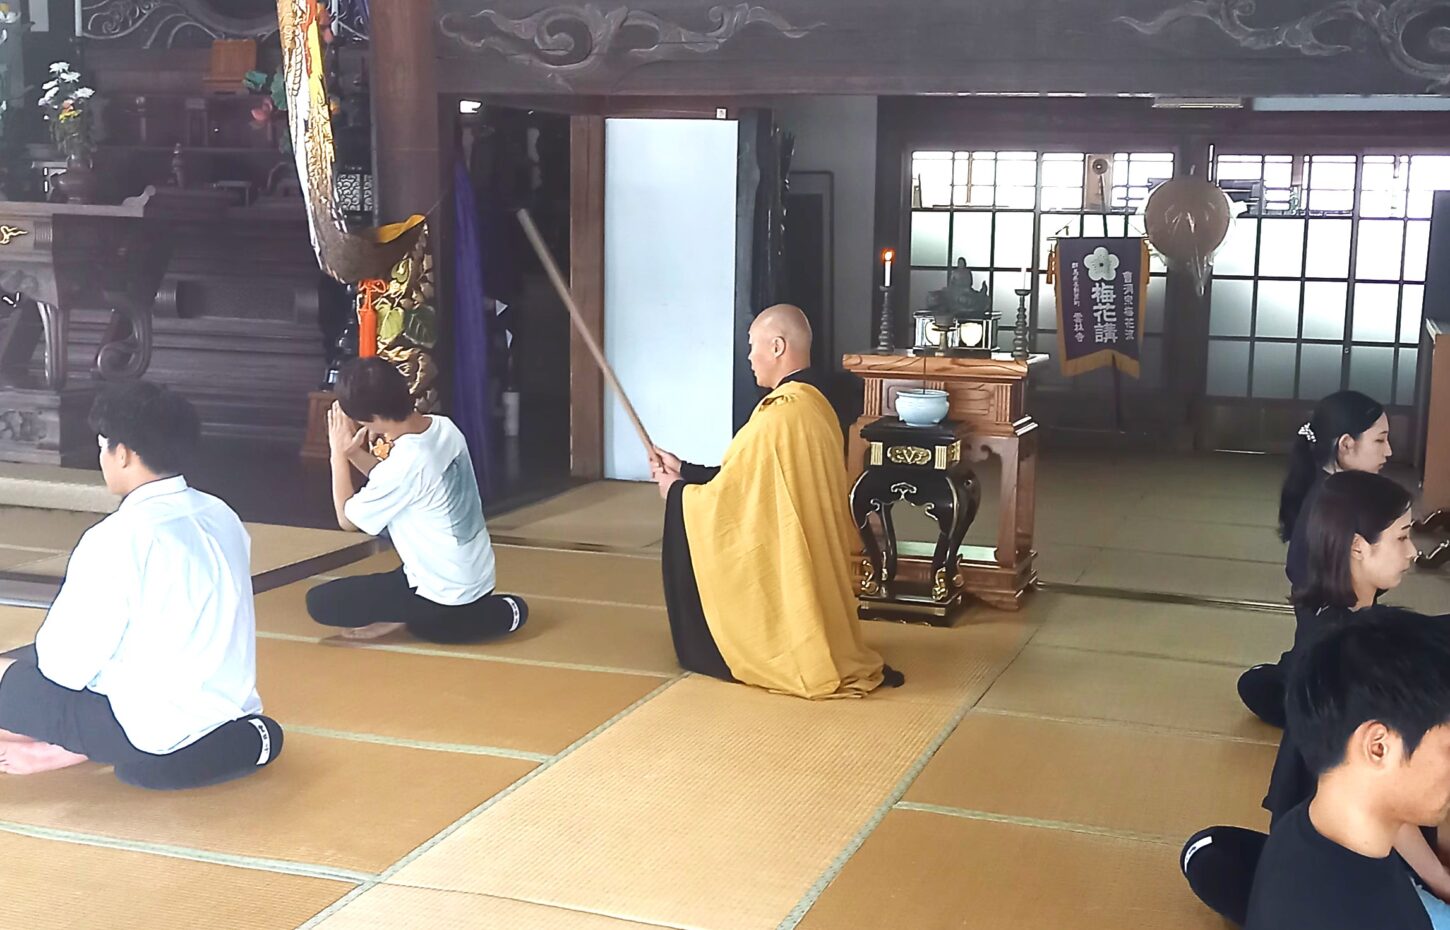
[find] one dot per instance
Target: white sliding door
(669, 286)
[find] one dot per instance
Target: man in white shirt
(425, 495)
(151, 644)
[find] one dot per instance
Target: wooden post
(405, 112)
(586, 282)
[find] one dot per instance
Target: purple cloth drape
(473, 313)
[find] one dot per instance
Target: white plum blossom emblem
(1102, 265)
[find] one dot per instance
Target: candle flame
(889, 255)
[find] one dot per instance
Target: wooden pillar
(586, 281)
(405, 109)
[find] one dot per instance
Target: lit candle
(1026, 280)
(888, 257)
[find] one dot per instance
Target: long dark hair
(1351, 503)
(1344, 413)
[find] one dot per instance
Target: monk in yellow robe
(756, 552)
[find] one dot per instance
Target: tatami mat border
(256, 863)
(467, 749)
(1164, 597)
(452, 828)
(1061, 826)
(472, 656)
(1128, 724)
(560, 545)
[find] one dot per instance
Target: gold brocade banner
(348, 257)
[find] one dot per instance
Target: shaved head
(780, 343)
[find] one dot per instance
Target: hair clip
(1307, 432)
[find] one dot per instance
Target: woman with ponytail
(1349, 431)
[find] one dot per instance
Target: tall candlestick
(888, 258)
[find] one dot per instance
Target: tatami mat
(44, 529)
(1424, 589)
(971, 875)
(1181, 574)
(723, 824)
(1150, 533)
(574, 500)
(273, 547)
(387, 907)
(1046, 681)
(1235, 638)
(571, 632)
(590, 576)
(11, 557)
(51, 885)
(438, 699)
(338, 803)
(630, 516)
(598, 794)
(1108, 777)
(18, 626)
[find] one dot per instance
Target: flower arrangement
(68, 101)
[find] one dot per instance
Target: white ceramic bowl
(921, 406)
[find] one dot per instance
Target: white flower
(60, 67)
(9, 17)
(50, 85)
(70, 77)
(49, 97)
(1102, 265)
(84, 93)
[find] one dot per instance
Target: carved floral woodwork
(1414, 34)
(563, 43)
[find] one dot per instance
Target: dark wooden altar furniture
(987, 400)
(54, 259)
(920, 466)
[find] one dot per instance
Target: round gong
(1187, 218)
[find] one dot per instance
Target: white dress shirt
(156, 614)
(426, 496)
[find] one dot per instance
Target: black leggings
(387, 598)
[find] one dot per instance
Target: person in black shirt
(1369, 702)
(1357, 544)
(1348, 432)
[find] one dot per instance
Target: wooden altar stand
(988, 401)
(55, 258)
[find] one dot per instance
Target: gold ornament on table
(868, 578)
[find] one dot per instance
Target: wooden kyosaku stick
(552, 269)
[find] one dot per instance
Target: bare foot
(33, 758)
(373, 630)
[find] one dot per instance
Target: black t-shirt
(1306, 882)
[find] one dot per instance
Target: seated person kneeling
(425, 496)
(1370, 704)
(147, 659)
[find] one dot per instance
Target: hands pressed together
(344, 435)
(664, 470)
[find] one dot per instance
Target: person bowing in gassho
(757, 551)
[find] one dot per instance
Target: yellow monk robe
(770, 540)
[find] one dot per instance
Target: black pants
(387, 598)
(83, 722)
(1262, 690)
